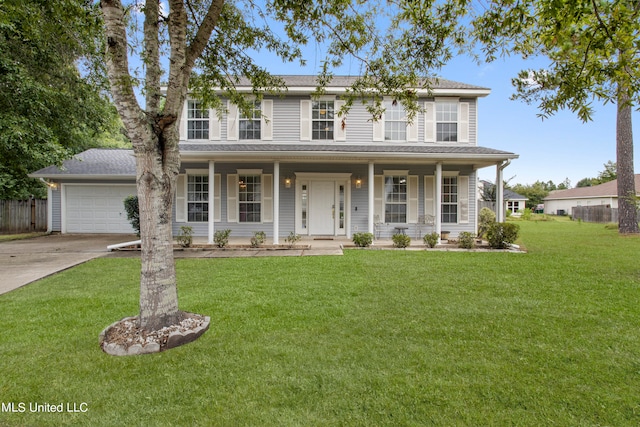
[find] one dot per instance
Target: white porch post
(499, 193)
(438, 199)
(211, 201)
(276, 202)
(371, 198)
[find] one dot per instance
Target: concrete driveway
(25, 261)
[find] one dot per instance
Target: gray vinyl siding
(56, 210)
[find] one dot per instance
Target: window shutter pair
(181, 198)
(339, 132)
(463, 197)
(412, 198)
(266, 122)
(214, 124)
(430, 121)
(378, 130)
(267, 198)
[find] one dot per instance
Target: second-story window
(197, 121)
(249, 126)
(395, 122)
(447, 121)
(322, 119)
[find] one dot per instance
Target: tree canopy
(48, 110)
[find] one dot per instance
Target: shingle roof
(608, 189)
(96, 161)
(344, 81)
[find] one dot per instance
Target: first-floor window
(395, 195)
(198, 198)
(450, 199)
(250, 198)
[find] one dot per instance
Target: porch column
(371, 199)
(499, 193)
(438, 199)
(276, 202)
(211, 201)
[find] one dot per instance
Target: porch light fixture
(287, 182)
(358, 182)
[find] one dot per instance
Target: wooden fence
(23, 216)
(599, 213)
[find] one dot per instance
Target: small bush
(431, 239)
(185, 238)
(487, 217)
(526, 214)
(292, 239)
(466, 240)
(401, 240)
(501, 234)
(362, 240)
(133, 212)
(221, 238)
(258, 239)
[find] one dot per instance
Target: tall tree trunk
(627, 210)
(156, 180)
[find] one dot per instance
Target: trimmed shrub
(362, 240)
(501, 234)
(401, 240)
(431, 239)
(258, 239)
(292, 239)
(466, 240)
(487, 217)
(221, 238)
(133, 212)
(185, 238)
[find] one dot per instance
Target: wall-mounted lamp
(358, 183)
(52, 185)
(287, 182)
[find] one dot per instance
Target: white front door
(322, 205)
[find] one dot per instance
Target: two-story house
(294, 165)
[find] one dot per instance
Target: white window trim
(306, 119)
(193, 172)
(215, 124)
(430, 122)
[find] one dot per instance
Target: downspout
(500, 215)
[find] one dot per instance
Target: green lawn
(372, 338)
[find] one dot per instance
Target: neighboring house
(560, 202)
(293, 165)
(513, 202)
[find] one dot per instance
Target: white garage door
(97, 208)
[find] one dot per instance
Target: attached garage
(96, 208)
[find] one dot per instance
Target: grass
(20, 236)
(370, 338)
